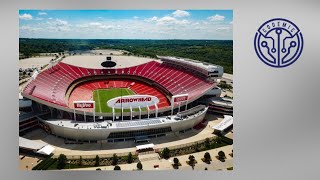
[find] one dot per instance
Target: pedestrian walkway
(148, 157)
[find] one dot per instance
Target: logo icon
(278, 42)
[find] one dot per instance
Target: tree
(80, 161)
(216, 52)
(197, 147)
(176, 161)
(114, 159)
(166, 153)
(221, 155)
(97, 161)
(139, 166)
(224, 85)
(191, 160)
(62, 161)
(130, 159)
(117, 168)
(207, 143)
(207, 157)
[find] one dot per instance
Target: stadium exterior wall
(87, 134)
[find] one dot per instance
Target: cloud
(152, 27)
(25, 17)
(59, 22)
(135, 17)
(58, 25)
(223, 29)
(167, 20)
(42, 13)
(180, 13)
(216, 17)
(28, 28)
(153, 19)
(231, 22)
(94, 26)
(171, 20)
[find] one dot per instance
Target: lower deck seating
(142, 88)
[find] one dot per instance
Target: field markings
(128, 92)
(98, 92)
(106, 94)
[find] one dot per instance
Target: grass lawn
(102, 96)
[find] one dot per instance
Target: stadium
(129, 100)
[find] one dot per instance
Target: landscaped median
(207, 144)
(62, 162)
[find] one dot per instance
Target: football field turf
(102, 96)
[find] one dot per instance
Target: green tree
(130, 159)
(207, 157)
(191, 159)
(97, 161)
(212, 51)
(221, 155)
(115, 159)
(176, 161)
(139, 166)
(117, 168)
(62, 161)
(207, 143)
(224, 85)
(80, 161)
(197, 147)
(166, 153)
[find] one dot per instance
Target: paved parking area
(27, 163)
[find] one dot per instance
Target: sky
(126, 24)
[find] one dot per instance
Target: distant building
(221, 105)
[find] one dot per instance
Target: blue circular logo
(278, 42)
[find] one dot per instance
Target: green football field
(102, 96)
